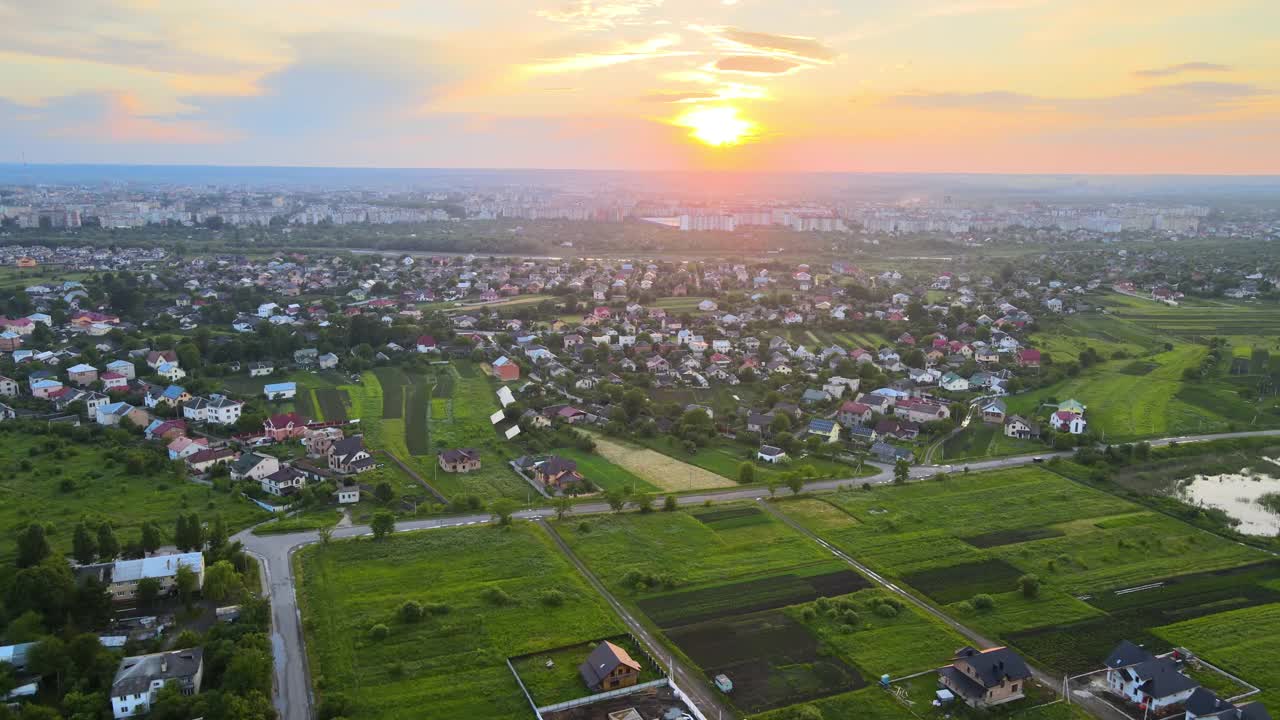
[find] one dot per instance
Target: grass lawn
(661, 471)
(127, 499)
(488, 592)
(1130, 400)
(725, 459)
(605, 474)
(1242, 642)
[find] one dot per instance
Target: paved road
(293, 688)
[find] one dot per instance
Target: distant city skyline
(939, 86)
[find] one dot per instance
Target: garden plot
(661, 471)
(773, 660)
(489, 593)
(830, 579)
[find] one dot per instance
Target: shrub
(808, 614)
(885, 610)
(1029, 585)
(497, 596)
(438, 608)
(982, 601)
(552, 598)
(411, 611)
(852, 619)
(379, 632)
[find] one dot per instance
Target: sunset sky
(1130, 86)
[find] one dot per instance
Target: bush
(982, 601)
(411, 611)
(497, 596)
(808, 614)
(852, 619)
(886, 610)
(438, 608)
(552, 598)
(1029, 585)
(379, 632)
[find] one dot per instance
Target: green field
(979, 533)
(101, 487)
(725, 458)
(604, 474)
(489, 594)
(1130, 400)
(736, 591)
(1242, 642)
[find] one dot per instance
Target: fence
(589, 699)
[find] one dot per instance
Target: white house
(1141, 678)
(771, 454)
(1067, 421)
(259, 369)
(348, 494)
(280, 391)
(139, 678)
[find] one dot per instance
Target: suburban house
(122, 367)
(985, 678)
(1016, 426)
(505, 369)
(156, 358)
(112, 380)
(426, 344)
(318, 440)
(280, 391)
(557, 472)
(609, 667)
(771, 454)
(827, 429)
(349, 456)
(115, 413)
(327, 361)
(121, 577)
(171, 395)
(215, 409)
(284, 426)
(1029, 358)
(183, 447)
(347, 494)
(8, 387)
(254, 466)
(139, 678)
(1067, 421)
(1140, 678)
(1204, 704)
(284, 481)
(854, 413)
(261, 369)
(460, 460)
(206, 460)
(171, 371)
(887, 453)
(82, 374)
(994, 411)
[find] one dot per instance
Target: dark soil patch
(768, 593)
(393, 381)
(333, 403)
(1012, 537)
(961, 582)
(1083, 646)
(772, 660)
(1138, 367)
(708, 518)
(417, 439)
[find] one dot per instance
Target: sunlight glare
(716, 126)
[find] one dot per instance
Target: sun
(716, 126)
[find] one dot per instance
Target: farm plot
(1136, 615)
(754, 595)
(485, 591)
(773, 660)
(1242, 642)
(332, 403)
(728, 587)
(979, 534)
(661, 471)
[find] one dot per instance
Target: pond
(1240, 495)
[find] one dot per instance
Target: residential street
(293, 688)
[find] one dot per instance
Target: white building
(139, 679)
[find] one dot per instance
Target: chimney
(164, 664)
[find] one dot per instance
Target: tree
(1029, 585)
(148, 591)
(383, 524)
(181, 534)
(84, 547)
(643, 501)
(187, 583)
(108, 543)
(48, 588)
(326, 534)
(195, 532)
(33, 546)
(781, 423)
(502, 508)
(563, 506)
(49, 659)
(669, 504)
(217, 533)
(773, 487)
(982, 601)
(383, 492)
(795, 483)
(746, 473)
(150, 537)
(617, 499)
(222, 583)
(901, 471)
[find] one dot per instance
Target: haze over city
(814, 85)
